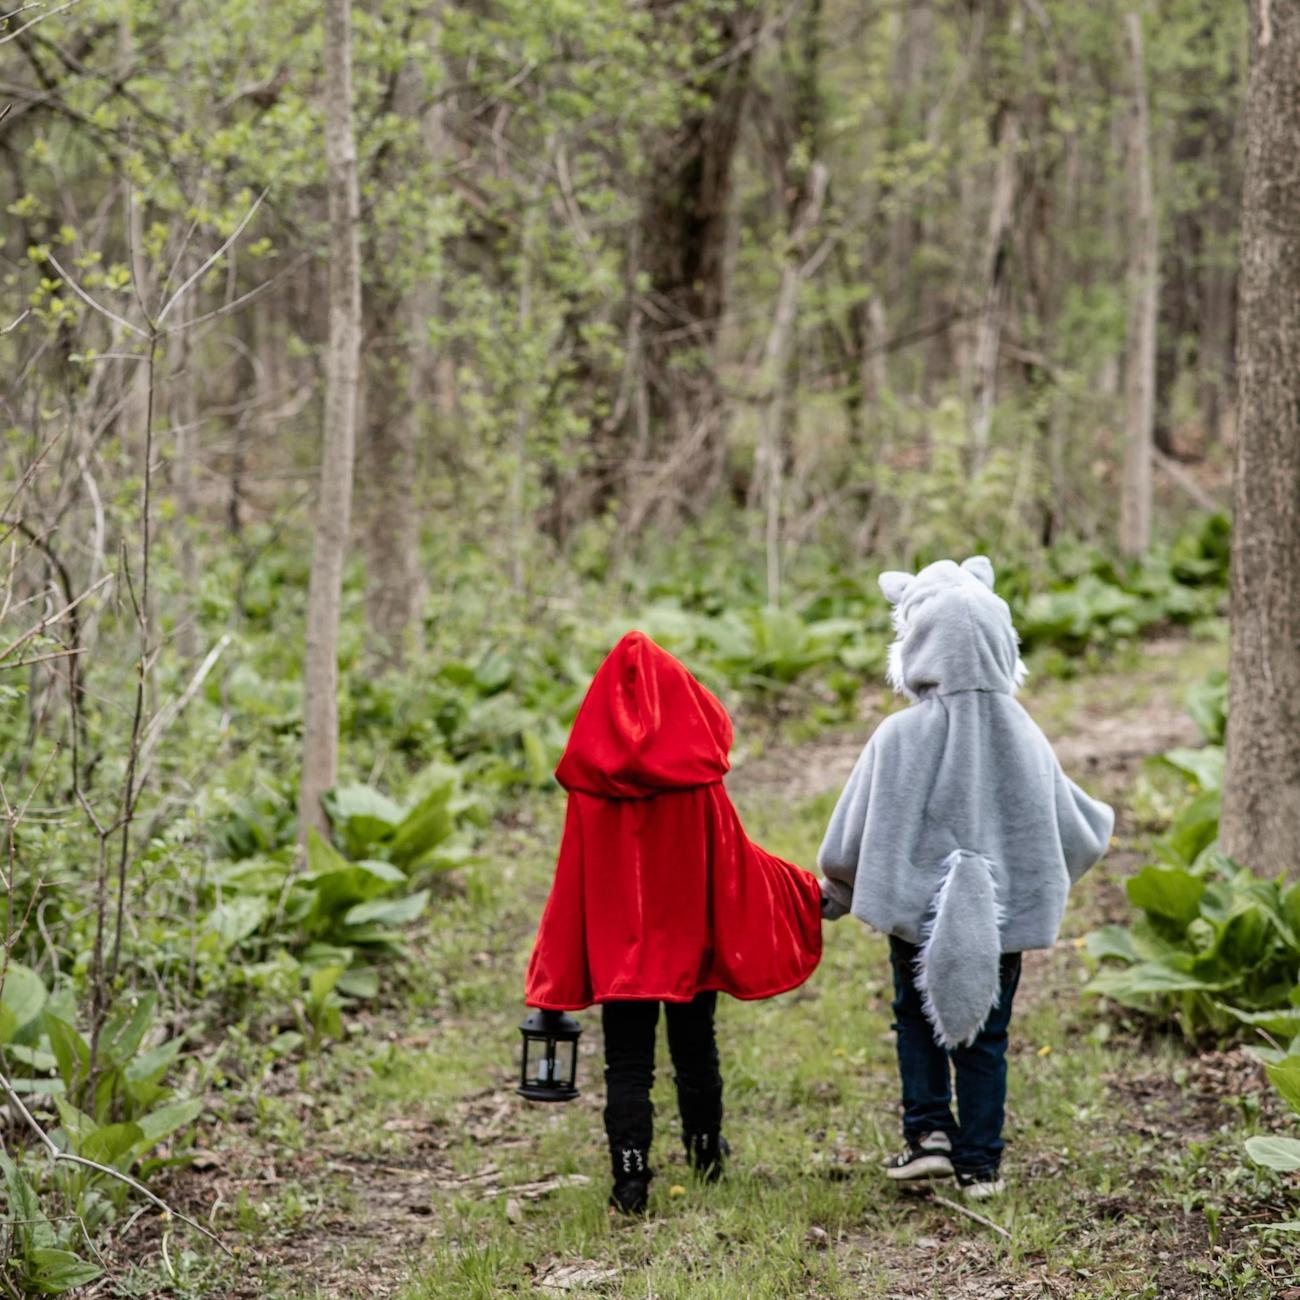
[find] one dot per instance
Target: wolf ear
(981, 567)
(894, 584)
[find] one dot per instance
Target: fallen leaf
(677, 1190)
(928, 1243)
(817, 1237)
(571, 1277)
(514, 1211)
(1045, 1050)
(531, 1191)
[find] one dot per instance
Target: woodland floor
(401, 1163)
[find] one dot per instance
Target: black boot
(632, 1175)
(707, 1154)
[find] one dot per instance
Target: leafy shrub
(1215, 948)
(114, 1114)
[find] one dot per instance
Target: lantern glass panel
(537, 1066)
(562, 1068)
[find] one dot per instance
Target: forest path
(402, 1165)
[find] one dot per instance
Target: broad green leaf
(77, 1125)
(108, 1143)
(238, 916)
(322, 856)
(424, 827)
(1280, 1153)
(362, 817)
(1111, 941)
(54, 1087)
(34, 1057)
(25, 1204)
(352, 882)
(126, 1027)
(360, 983)
(321, 983)
(145, 1074)
(21, 1000)
(389, 911)
(162, 1123)
(1148, 979)
(52, 1272)
(1283, 1023)
(1168, 892)
(1285, 1077)
(1207, 703)
(1204, 766)
(1194, 829)
(70, 1050)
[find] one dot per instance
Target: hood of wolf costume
(658, 891)
(958, 830)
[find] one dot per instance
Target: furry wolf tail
(957, 970)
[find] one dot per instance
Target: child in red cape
(659, 896)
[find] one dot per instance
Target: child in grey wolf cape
(959, 836)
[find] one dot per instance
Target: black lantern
(550, 1056)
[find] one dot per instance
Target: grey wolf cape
(958, 830)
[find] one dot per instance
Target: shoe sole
(984, 1191)
(925, 1167)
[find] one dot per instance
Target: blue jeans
(981, 1068)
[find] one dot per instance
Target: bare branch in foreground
(57, 1156)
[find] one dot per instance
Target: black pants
(630, 1073)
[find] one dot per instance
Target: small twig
(40, 18)
(37, 628)
(243, 300)
(970, 1214)
(159, 724)
(99, 307)
(41, 659)
(66, 1156)
(180, 293)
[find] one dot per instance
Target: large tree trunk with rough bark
(683, 254)
(997, 247)
(393, 419)
(1261, 802)
(1140, 363)
(342, 372)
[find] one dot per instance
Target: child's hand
(832, 906)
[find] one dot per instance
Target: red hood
(645, 726)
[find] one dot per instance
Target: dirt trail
(1108, 734)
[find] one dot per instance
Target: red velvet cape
(658, 893)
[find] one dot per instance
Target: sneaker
(707, 1154)
(980, 1184)
(930, 1156)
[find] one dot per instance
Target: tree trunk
(776, 371)
(684, 229)
(1261, 800)
(1140, 366)
(988, 332)
(184, 418)
(393, 421)
(342, 371)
